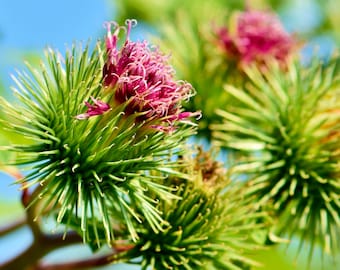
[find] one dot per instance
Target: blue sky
(33, 25)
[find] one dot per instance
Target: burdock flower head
(256, 37)
(211, 228)
(92, 164)
(140, 74)
(285, 127)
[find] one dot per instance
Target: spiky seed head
(92, 162)
(286, 129)
(207, 230)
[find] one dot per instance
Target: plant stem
(81, 264)
(42, 243)
(39, 248)
(45, 243)
(14, 172)
(6, 229)
(32, 220)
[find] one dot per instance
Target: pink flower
(141, 75)
(99, 107)
(257, 37)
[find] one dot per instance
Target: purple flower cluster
(257, 37)
(141, 76)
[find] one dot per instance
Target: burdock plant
(98, 124)
(285, 128)
(107, 164)
(107, 161)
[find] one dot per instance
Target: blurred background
(29, 27)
